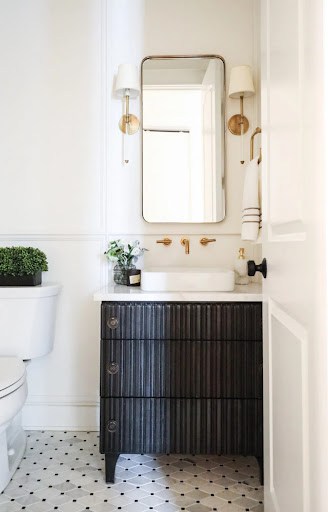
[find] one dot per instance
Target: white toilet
(27, 321)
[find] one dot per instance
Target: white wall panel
(63, 186)
(69, 375)
(51, 116)
(176, 27)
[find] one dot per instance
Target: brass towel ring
(256, 131)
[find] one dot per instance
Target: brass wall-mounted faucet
(205, 240)
(165, 241)
(185, 242)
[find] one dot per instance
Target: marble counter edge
(247, 293)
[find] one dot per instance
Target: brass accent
(185, 242)
(241, 253)
(205, 241)
(255, 132)
(235, 123)
(200, 56)
(238, 124)
(129, 123)
(165, 241)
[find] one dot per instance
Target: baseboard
(61, 413)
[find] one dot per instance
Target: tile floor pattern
(64, 471)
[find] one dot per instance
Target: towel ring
(255, 132)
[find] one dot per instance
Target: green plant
(124, 253)
(22, 261)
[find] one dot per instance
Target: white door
(295, 307)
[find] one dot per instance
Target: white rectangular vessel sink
(194, 279)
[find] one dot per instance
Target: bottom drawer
(167, 425)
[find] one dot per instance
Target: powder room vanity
(180, 373)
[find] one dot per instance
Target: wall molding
(98, 237)
(105, 111)
(61, 413)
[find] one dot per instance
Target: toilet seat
(12, 375)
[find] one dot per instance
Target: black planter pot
(28, 280)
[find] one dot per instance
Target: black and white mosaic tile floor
(64, 471)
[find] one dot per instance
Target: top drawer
(182, 320)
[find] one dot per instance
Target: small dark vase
(120, 273)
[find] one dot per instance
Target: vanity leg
(110, 464)
(260, 463)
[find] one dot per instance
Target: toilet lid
(12, 370)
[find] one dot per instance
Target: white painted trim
(106, 87)
(256, 20)
(56, 238)
(300, 333)
(175, 87)
(58, 400)
(61, 413)
(288, 231)
(82, 428)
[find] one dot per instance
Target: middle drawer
(181, 369)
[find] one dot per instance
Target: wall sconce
(127, 86)
(241, 86)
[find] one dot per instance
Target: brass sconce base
(129, 124)
(236, 122)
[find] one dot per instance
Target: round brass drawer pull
(112, 322)
(113, 368)
(112, 426)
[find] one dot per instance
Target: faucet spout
(185, 242)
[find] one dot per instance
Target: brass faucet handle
(165, 241)
(205, 241)
(185, 242)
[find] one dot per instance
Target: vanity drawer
(181, 321)
(159, 425)
(199, 369)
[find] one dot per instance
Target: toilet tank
(27, 320)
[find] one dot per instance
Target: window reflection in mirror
(183, 101)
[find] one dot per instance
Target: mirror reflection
(183, 102)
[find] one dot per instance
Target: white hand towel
(251, 214)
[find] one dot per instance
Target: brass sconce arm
(239, 124)
(129, 123)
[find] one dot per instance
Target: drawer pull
(112, 426)
(112, 323)
(113, 368)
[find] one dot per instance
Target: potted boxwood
(21, 266)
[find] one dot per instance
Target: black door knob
(253, 268)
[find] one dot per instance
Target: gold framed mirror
(183, 138)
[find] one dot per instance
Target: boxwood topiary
(22, 261)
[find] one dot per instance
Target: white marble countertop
(248, 293)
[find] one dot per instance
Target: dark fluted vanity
(180, 376)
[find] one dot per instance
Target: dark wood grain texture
(181, 378)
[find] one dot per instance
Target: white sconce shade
(241, 82)
(127, 78)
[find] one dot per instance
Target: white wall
(53, 192)
(63, 186)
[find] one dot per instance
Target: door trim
(300, 333)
